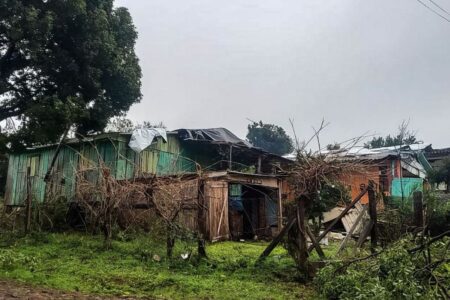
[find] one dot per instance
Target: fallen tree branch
(431, 241)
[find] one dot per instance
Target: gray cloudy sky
(361, 65)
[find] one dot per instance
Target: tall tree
(65, 63)
(122, 124)
(403, 137)
(269, 137)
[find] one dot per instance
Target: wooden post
(373, 215)
(280, 204)
(230, 160)
(324, 233)
(315, 243)
(303, 247)
(418, 208)
(352, 229)
(277, 239)
(55, 155)
(258, 169)
(364, 234)
(29, 202)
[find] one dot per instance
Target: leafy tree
(442, 174)
(269, 137)
(403, 137)
(122, 124)
(65, 63)
(334, 146)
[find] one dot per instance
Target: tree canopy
(441, 174)
(65, 63)
(403, 137)
(122, 124)
(269, 137)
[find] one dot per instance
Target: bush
(10, 260)
(393, 274)
(438, 211)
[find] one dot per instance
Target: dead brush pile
(106, 202)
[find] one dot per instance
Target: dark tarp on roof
(218, 135)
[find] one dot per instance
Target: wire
(432, 10)
(438, 6)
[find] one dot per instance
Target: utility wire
(438, 6)
(435, 12)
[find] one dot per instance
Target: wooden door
(216, 196)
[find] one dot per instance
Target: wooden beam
(277, 239)
(258, 170)
(352, 229)
(301, 237)
(373, 215)
(315, 243)
(364, 234)
(324, 233)
(418, 208)
(230, 159)
(55, 155)
(280, 205)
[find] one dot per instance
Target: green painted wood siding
(160, 158)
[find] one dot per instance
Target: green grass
(77, 262)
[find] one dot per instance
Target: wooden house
(397, 171)
(240, 187)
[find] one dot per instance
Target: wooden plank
(277, 239)
(365, 233)
(315, 243)
(373, 215)
(324, 233)
(28, 202)
(216, 195)
(9, 190)
(418, 209)
(352, 229)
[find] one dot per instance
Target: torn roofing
(218, 135)
(209, 135)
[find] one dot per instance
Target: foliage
(122, 124)
(335, 146)
(65, 63)
(441, 174)
(437, 211)
(313, 178)
(328, 197)
(393, 274)
(9, 260)
(269, 137)
(403, 137)
(77, 262)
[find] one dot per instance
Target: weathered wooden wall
(161, 158)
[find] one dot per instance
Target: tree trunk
(170, 243)
(201, 249)
(303, 248)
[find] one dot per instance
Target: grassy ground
(77, 262)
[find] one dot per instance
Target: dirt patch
(15, 290)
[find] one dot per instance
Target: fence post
(372, 214)
(418, 208)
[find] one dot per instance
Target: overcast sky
(361, 65)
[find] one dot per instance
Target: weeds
(78, 262)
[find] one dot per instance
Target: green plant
(437, 212)
(10, 260)
(395, 273)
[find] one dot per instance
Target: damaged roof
(217, 135)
